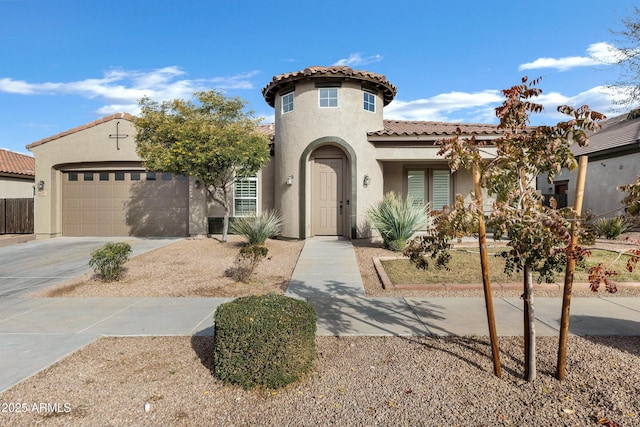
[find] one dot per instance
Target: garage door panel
(125, 207)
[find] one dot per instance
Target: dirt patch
(189, 268)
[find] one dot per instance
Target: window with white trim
(369, 101)
(328, 97)
(245, 196)
(287, 103)
(429, 185)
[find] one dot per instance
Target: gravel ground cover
(357, 381)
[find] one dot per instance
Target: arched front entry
(328, 200)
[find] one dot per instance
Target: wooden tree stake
(571, 265)
(482, 241)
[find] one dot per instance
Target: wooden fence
(16, 216)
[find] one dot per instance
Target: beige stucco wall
(308, 126)
(601, 195)
(89, 148)
(16, 188)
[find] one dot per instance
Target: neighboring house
(614, 160)
(17, 175)
(334, 156)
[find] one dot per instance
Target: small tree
(537, 235)
(213, 140)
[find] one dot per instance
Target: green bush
(396, 220)
(257, 229)
(108, 261)
(264, 341)
(611, 228)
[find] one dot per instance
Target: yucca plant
(613, 227)
(396, 219)
(257, 229)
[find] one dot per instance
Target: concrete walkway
(327, 267)
(37, 332)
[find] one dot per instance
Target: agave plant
(257, 229)
(396, 219)
(613, 227)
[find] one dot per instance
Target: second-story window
(287, 103)
(369, 102)
(328, 97)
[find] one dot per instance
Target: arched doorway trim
(304, 165)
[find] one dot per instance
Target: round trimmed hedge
(264, 341)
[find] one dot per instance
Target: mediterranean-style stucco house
(334, 155)
(614, 160)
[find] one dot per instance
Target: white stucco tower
(326, 172)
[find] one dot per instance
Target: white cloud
(356, 59)
(444, 106)
(120, 89)
(479, 107)
(598, 54)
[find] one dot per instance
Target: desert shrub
(396, 220)
(246, 262)
(264, 341)
(613, 227)
(257, 229)
(108, 261)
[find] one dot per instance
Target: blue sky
(65, 63)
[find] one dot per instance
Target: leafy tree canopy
(211, 138)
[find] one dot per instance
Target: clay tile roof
(378, 81)
(117, 116)
(618, 132)
(12, 163)
(268, 129)
(407, 128)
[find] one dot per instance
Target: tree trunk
(568, 274)
(484, 263)
(529, 327)
(225, 225)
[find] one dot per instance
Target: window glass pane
(369, 102)
(104, 176)
(135, 176)
(287, 103)
(245, 195)
(73, 176)
(416, 186)
(166, 176)
(119, 176)
(441, 189)
(328, 98)
(182, 178)
(88, 176)
(151, 176)
(245, 207)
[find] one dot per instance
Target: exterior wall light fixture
(366, 181)
(290, 180)
(41, 185)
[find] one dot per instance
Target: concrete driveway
(28, 267)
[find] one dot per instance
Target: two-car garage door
(124, 203)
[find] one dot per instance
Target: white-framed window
(287, 103)
(369, 101)
(429, 185)
(245, 196)
(328, 97)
